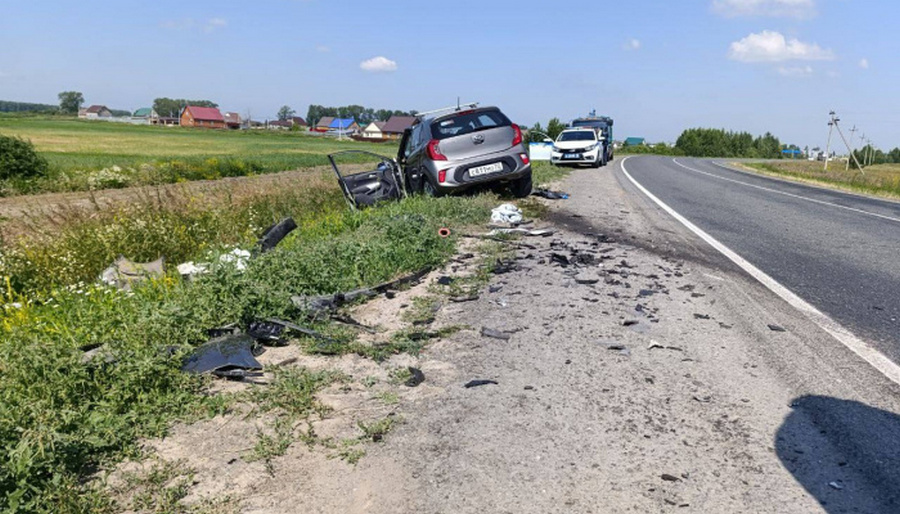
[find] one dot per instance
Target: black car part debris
(366, 188)
(314, 306)
(274, 234)
(477, 383)
(225, 330)
(122, 273)
(416, 378)
(550, 195)
(228, 356)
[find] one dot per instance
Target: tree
(286, 112)
(554, 127)
(536, 134)
(171, 107)
(19, 160)
(70, 101)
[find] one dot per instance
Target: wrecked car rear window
(467, 122)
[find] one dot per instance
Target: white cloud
(864, 64)
(632, 44)
(773, 8)
(378, 64)
(768, 46)
(215, 23)
(796, 71)
(323, 49)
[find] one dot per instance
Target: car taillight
(524, 157)
(517, 139)
(434, 151)
(442, 176)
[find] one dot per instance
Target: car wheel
(428, 188)
(521, 187)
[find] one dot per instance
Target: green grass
(61, 418)
(87, 155)
(879, 180)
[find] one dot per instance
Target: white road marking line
(875, 358)
(799, 197)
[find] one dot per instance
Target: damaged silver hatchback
(444, 151)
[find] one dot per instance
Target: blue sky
(657, 67)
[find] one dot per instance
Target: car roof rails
(456, 108)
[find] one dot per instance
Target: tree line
(7, 106)
(876, 156)
(362, 115)
(704, 142)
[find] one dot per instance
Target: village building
(94, 112)
(202, 117)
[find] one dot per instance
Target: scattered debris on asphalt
(122, 273)
(701, 316)
(836, 485)
(669, 478)
(478, 383)
(777, 328)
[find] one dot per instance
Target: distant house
(232, 120)
(202, 117)
(145, 115)
(94, 112)
(290, 123)
(394, 127)
(373, 130)
(324, 124)
(344, 125)
(634, 141)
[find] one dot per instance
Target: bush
(19, 160)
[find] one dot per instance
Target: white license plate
(484, 170)
(572, 156)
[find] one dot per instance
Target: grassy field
(880, 180)
(86, 155)
(62, 419)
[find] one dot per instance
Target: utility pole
(834, 121)
(852, 133)
(828, 145)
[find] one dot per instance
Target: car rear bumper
(457, 178)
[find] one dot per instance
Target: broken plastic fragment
(477, 383)
(274, 234)
(417, 377)
(227, 356)
(495, 334)
(123, 272)
(550, 195)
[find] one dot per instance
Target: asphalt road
(838, 251)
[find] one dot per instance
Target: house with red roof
(202, 117)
